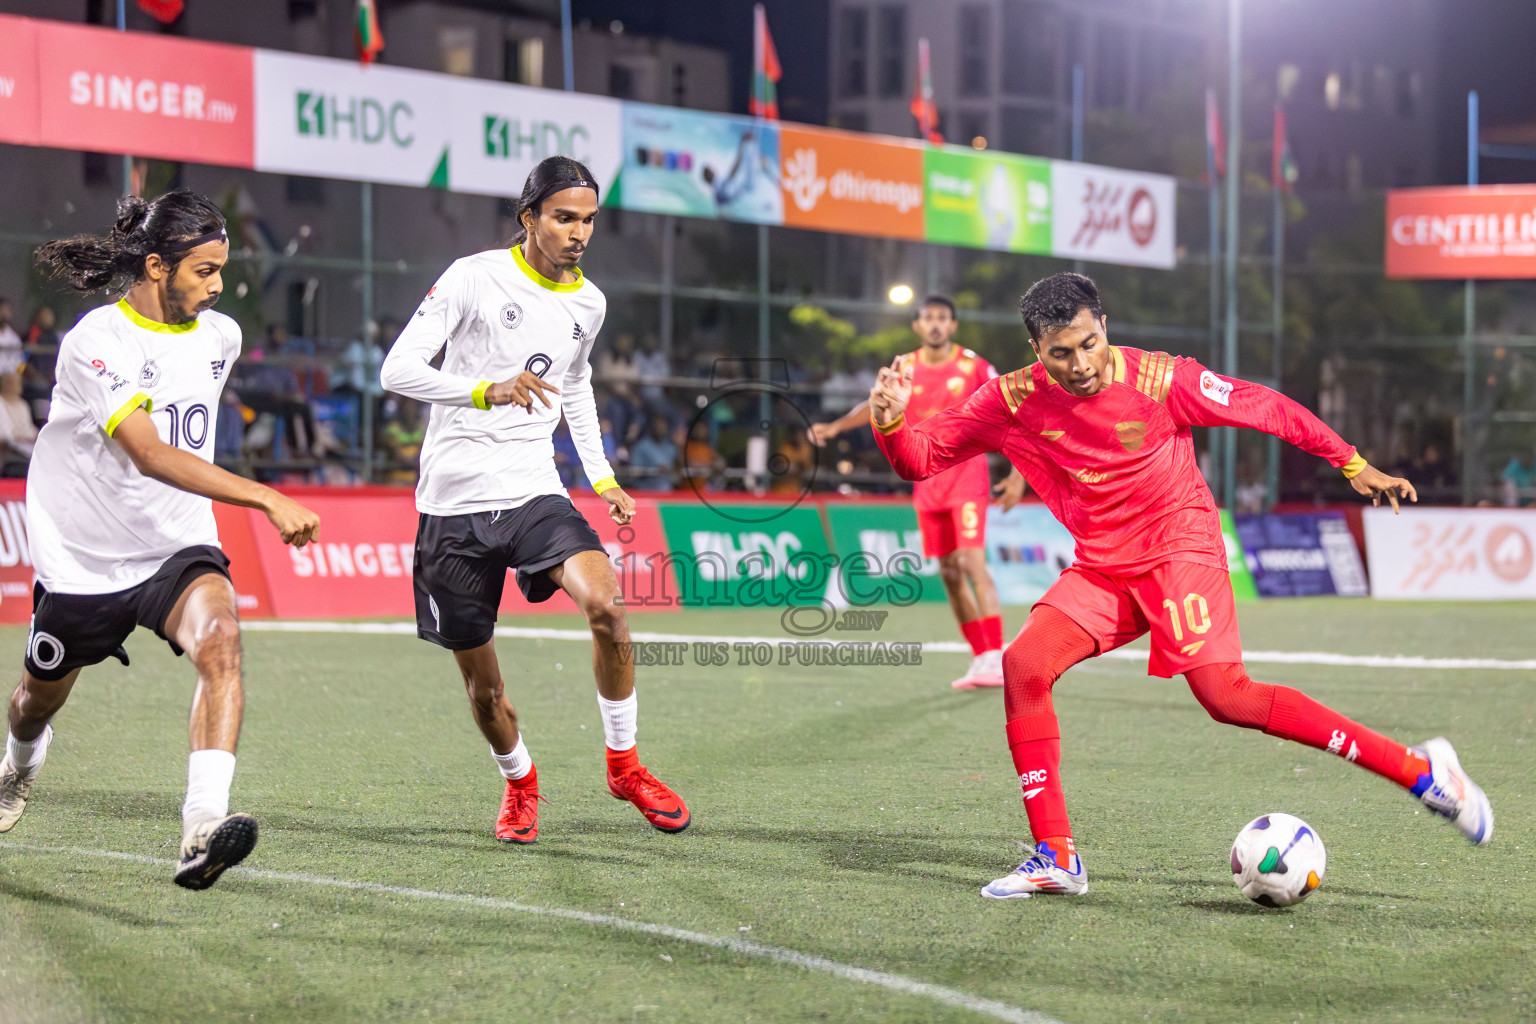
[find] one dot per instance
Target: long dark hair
(553, 174)
(143, 227)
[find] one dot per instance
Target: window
(300, 189)
(1111, 71)
(1286, 80)
(1405, 94)
(456, 50)
(973, 125)
(1031, 31)
(97, 171)
(853, 52)
(893, 50)
(851, 120)
(621, 81)
(975, 68)
(523, 61)
(1028, 131)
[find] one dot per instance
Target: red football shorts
(1188, 608)
(946, 530)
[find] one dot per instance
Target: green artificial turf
(840, 812)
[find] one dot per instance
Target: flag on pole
(164, 11)
(765, 68)
(365, 32)
(1215, 146)
(922, 98)
(1283, 171)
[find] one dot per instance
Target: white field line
(934, 646)
(746, 947)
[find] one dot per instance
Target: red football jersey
(940, 386)
(1116, 468)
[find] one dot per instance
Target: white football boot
(212, 846)
(1450, 792)
(16, 784)
(1040, 874)
(986, 670)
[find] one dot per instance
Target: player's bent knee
(1230, 697)
(606, 616)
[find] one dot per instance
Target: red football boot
(518, 821)
(630, 780)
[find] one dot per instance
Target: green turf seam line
(745, 947)
(934, 646)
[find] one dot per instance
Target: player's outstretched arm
(941, 441)
(170, 465)
(821, 433)
(1374, 484)
(1199, 398)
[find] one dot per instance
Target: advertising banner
(15, 552)
(362, 565)
(1112, 216)
(885, 534)
(339, 119)
(149, 95)
(1302, 554)
(1464, 554)
(20, 115)
(987, 200)
(500, 132)
(1026, 550)
(1471, 231)
(1237, 564)
(746, 556)
(857, 184)
(694, 164)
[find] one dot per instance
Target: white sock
(28, 754)
(516, 764)
(619, 721)
(209, 774)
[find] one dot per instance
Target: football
(1277, 860)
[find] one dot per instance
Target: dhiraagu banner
(338, 119)
(987, 200)
(694, 164)
(877, 544)
(756, 555)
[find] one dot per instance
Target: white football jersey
(498, 317)
(96, 524)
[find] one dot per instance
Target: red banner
(20, 120)
(15, 553)
(155, 96)
(1469, 232)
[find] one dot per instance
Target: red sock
(1062, 849)
(991, 633)
(1295, 716)
(621, 761)
(1035, 743)
(974, 633)
(529, 781)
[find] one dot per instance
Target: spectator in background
(653, 458)
(268, 388)
(619, 373)
(42, 345)
(10, 341)
(653, 363)
(1519, 476)
(793, 464)
(702, 464)
(17, 431)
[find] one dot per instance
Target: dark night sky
(1487, 47)
(799, 29)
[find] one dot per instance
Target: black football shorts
(71, 631)
(461, 564)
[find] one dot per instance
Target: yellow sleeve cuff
(133, 403)
(607, 483)
(891, 427)
(1354, 466)
(478, 395)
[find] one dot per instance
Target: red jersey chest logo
(1132, 434)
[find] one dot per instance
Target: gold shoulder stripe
(1155, 375)
(1164, 382)
(1117, 360)
(1010, 394)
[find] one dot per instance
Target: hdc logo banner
(338, 119)
(500, 132)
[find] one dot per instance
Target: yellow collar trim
(1118, 374)
(542, 281)
(154, 325)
